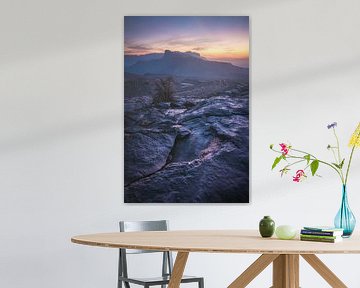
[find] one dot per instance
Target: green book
(319, 236)
(325, 240)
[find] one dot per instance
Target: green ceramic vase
(267, 227)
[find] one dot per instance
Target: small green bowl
(286, 232)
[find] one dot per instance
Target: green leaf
(271, 146)
(336, 165)
(339, 166)
(284, 171)
(314, 166)
(307, 157)
(276, 161)
(342, 163)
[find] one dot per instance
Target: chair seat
(158, 280)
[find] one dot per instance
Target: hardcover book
(325, 240)
(319, 237)
(321, 233)
(323, 228)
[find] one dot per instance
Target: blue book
(322, 231)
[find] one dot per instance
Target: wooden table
(284, 254)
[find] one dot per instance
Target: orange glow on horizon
(218, 37)
(227, 49)
(229, 53)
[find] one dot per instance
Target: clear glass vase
(345, 219)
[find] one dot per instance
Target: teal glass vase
(345, 219)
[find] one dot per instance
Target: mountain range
(185, 64)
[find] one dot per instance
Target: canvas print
(186, 99)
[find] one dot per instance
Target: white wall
(61, 132)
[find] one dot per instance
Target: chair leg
(120, 273)
(126, 284)
(201, 283)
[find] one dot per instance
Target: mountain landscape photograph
(186, 99)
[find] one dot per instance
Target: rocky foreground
(194, 150)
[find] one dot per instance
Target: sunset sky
(222, 38)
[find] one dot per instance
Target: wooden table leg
(286, 271)
(324, 271)
(293, 264)
(178, 269)
(253, 270)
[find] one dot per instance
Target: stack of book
(321, 234)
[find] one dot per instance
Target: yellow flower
(355, 137)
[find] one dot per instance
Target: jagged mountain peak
(188, 64)
(169, 53)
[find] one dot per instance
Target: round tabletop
(220, 241)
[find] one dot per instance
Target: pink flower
(284, 148)
(300, 174)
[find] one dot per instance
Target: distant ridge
(132, 59)
(186, 64)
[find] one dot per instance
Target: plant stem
(338, 145)
(313, 158)
(333, 167)
(338, 171)
(339, 156)
(296, 162)
(304, 152)
(333, 152)
(350, 159)
(348, 168)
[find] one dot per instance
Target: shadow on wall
(68, 24)
(84, 24)
(111, 121)
(309, 75)
(55, 134)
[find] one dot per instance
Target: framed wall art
(186, 99)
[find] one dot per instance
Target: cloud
(198, 48)
(189, 41)
(138, 47)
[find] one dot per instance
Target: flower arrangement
(344, 219)
(292, 156)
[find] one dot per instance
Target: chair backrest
(137, 226)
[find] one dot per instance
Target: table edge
(206, 250)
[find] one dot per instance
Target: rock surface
(191, 153)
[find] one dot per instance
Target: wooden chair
(167, 262)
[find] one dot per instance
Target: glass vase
(345, 219)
